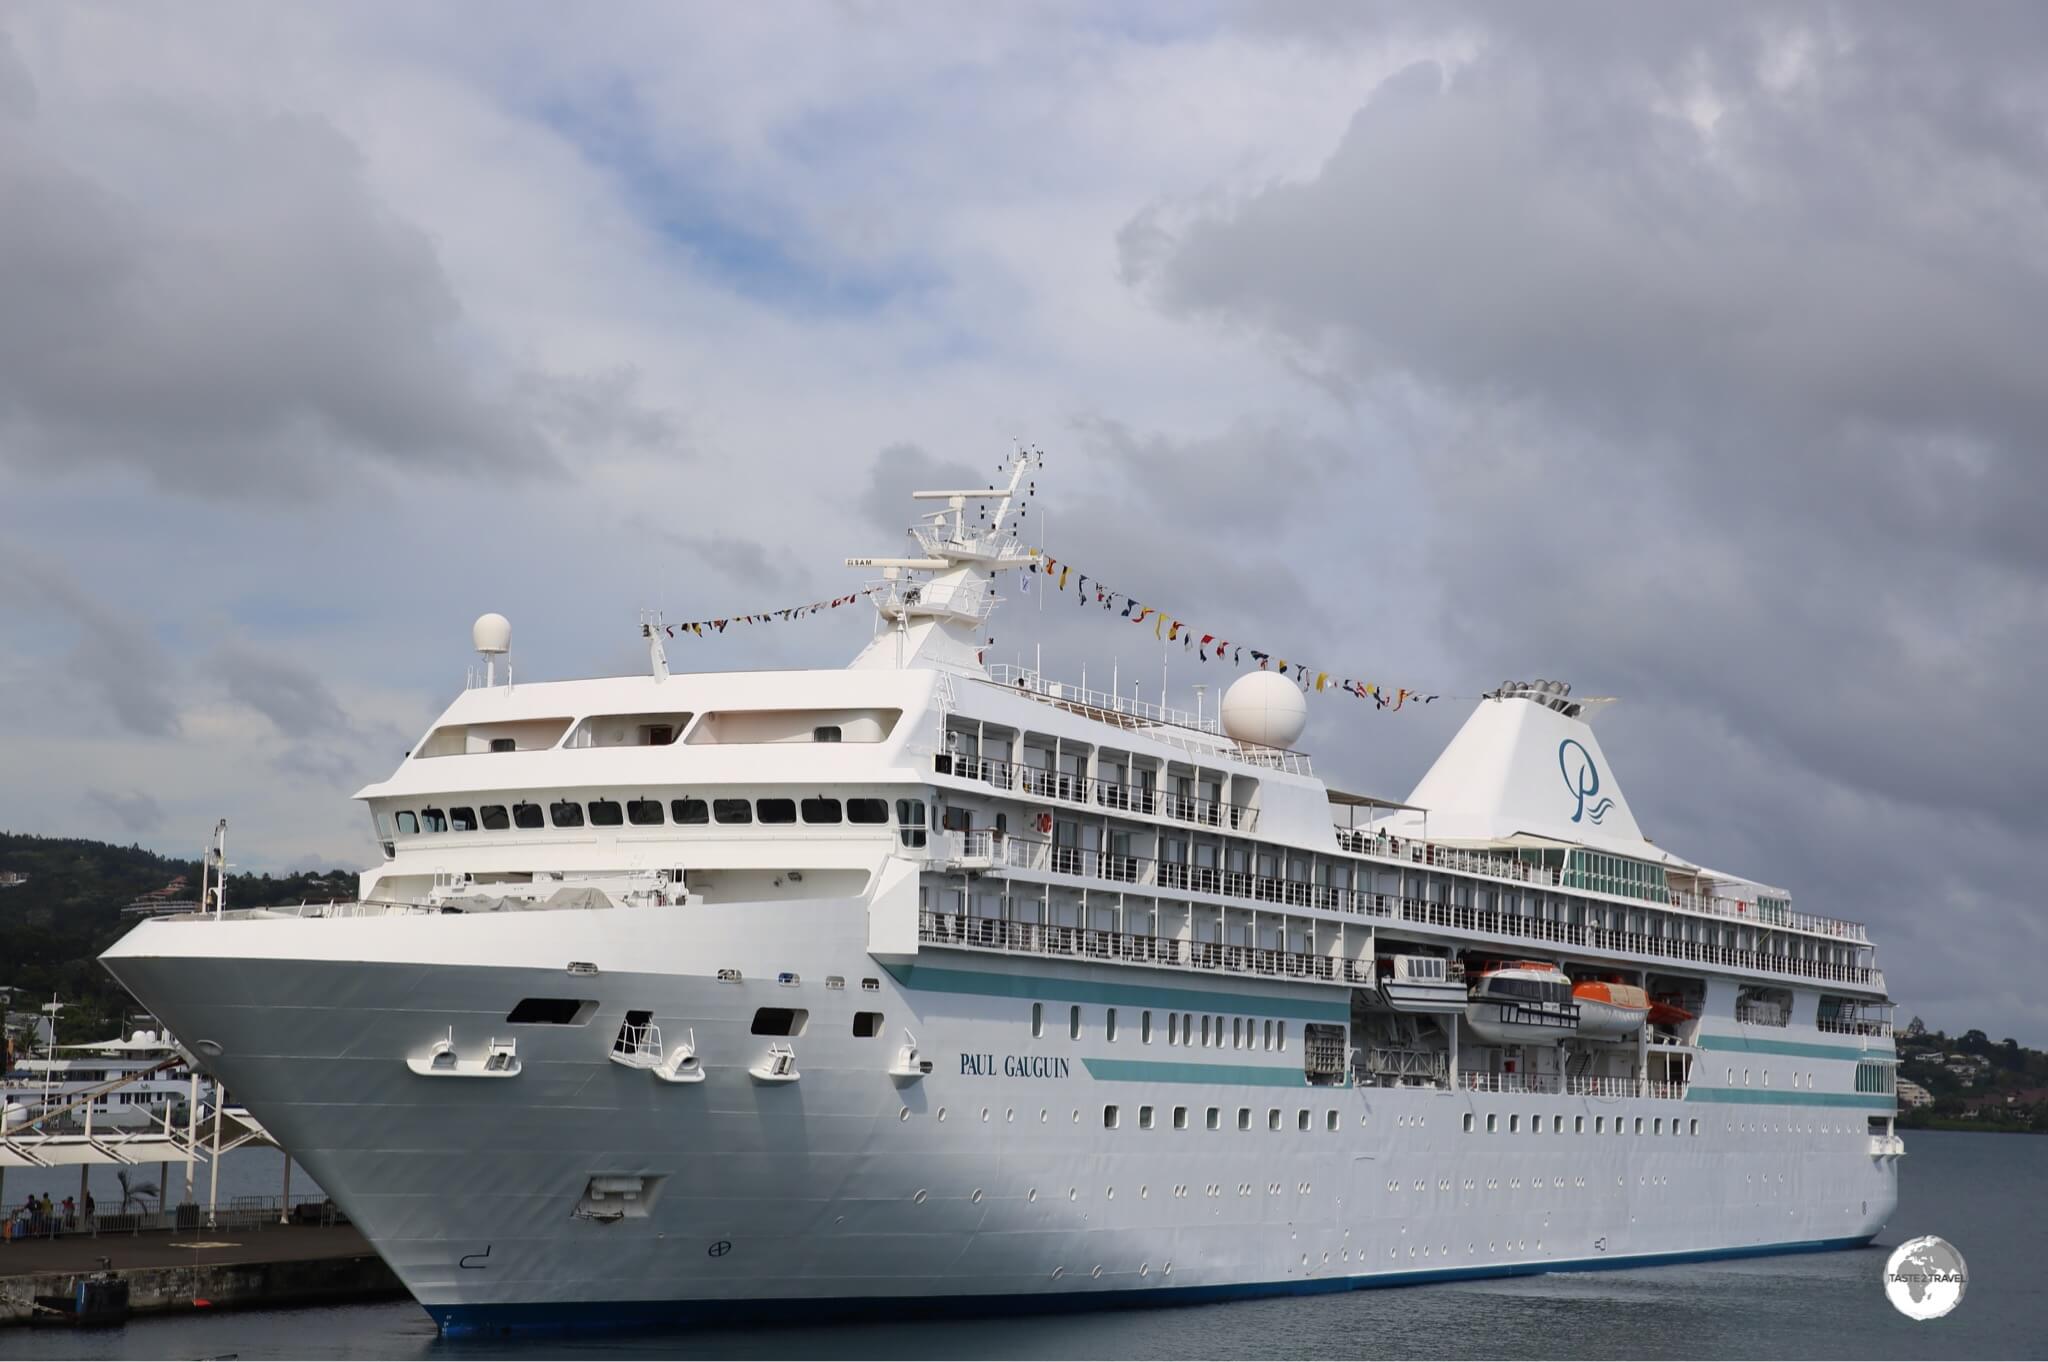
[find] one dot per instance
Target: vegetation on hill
(54, 924)
(1977, 1083)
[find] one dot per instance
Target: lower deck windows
(551, 1011)
(780, 1021)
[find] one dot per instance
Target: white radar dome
(1264, 708)
(491, 634)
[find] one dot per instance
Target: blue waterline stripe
(459, 1320)
(1053, 988)
(1756, 1097)
(1171, 1071)
(1805, 1050)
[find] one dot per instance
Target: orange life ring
(1045, 822)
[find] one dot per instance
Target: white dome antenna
(1264, 708)
(491, 636)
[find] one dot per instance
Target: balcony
(1143, 800)
(1134, 948)
(1037, 856)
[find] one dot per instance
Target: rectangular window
(1514, 1125)
(1301, 1119)
(1144, 1118)
(819, 809)
(1535, 1125)
(1109, 1117)
(606, 813)
(1599, 1125)
(1468, 1123)
(780, 1021)
(565, 813)
(1074, 1023)
(775, 810)
(689, 811)
(1272, 1118)
(495, 818)
(1145, 1027)
(732, 810)
(867, 810)
(462, 820)
(1639, 1125)
(1659, 1128)
(1205, 1030)
(1180, 1118)
(825, 733)
(1173, 1028)
(1557, 1125)
(552, 1011)
(1330, 1120)
(1695, 1129)
(642, 813)
(1214, 1118)
(1578, 1125)
(526, 816)
(433, 820)
(1492, 1123)
(1280, 1031)
(1244, 1118)
(910, 816)
(1237, 1033)
(408, 821)
(1109, 1026)
(1269, 1035)
(867, 1024)
(1037, 1020)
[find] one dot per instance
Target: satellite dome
(1264, 708)
(491, 634)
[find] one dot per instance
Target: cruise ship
(927, 984)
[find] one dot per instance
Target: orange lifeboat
(1668, 1014)
(1610, 1009)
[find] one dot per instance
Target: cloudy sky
(1692, 357)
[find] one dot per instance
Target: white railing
(1599, 1085)
(1755, 1013)
(971, 598)
(1043, 857)
(638, 1044)
(1089, 943)
(1109, 794)
(1500, 867)
(1175, 727)
(1402, 1063)
(1475, 1080)
(1849, 1026)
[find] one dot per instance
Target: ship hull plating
(1002, 1180)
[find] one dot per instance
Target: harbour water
(1983, 1193)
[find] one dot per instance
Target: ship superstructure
(927, 984)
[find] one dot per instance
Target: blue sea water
(1986, 1194)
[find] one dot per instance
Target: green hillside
(53, 925)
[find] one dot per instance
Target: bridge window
(910, 815)
(462, 820)
(495, 818)
(433, 820)
(689, 811)
(819, 809)
(526, 816)
(732, 810)
(565, 813)
(825, 733)
(606, 813)
(775, 810)
(642, 813)
(867, 810)
(408, 821)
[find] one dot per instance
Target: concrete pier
(173, 1270)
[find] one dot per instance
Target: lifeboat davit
(1610, 1011)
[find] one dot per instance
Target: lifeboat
(1610, 1010)
(1664, 1013)
(1522, 1002)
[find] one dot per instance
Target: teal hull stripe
(1803, 1049)
(1757, 1098)
(1053, 988)
(1167, 1071)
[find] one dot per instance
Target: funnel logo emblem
(1582, 778)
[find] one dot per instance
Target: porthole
(903, 1115)
(918, 1196)
(1097, 1272)
(1058, 1273)
(1010, 1114)
(942, 1113)
(1109, 1194)
(1031, 1195)
(1073, 1193)
(984, 1113)
(1144, 1269)
(976, 1196)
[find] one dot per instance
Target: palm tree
(136, 1194)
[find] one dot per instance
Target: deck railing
(1200, 737)
(1089, 943)
(1584, 1085)
(1039, 856)
(1123, 797)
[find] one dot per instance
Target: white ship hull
(992, 1182)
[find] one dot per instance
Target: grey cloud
(135, 811)
(901, 469)
(600, 410)
(745, 562)
(290, 695)
(1738, 418)
(223, 304)
(114, 656)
